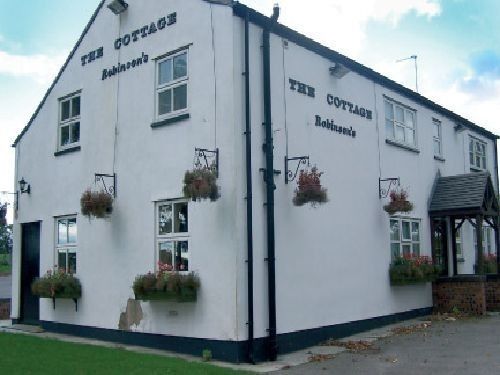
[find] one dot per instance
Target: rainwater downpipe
(248, 138)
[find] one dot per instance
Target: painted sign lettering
(302, 88)
(92, 56)
(122, 67)
(329, 124)
(349, 106)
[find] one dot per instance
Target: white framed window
(66, 243)
(172, 85)
(477, 153)
(400, 124)
(405, 237)
(172, 235)
(437, 138)
(458, 241)
(69, 121)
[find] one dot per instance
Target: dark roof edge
(63, 68)
(308, 43)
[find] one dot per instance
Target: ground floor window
(405, 237)
(66, 245)
(172, 236)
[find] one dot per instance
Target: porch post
(479, 239)
(497, 243)
(454, 246)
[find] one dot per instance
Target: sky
(457, 43)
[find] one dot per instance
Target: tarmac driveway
(466, 346)
(5, 286)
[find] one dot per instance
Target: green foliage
(413, 269)
(57, 284)
(173, 286)
(309, 189)
(5, 238)
(490, 264)
(201, 183)
(206, 355)
(96, 203)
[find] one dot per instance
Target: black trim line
(313, 46)
(68, 151)
(232, 351)
(439, 158)
(170, 121)
(400, 145)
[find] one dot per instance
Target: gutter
(249, 199)
(268, 147)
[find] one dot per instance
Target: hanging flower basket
(57, 284)
(166, 285)
(309, 189)
(410, 269)
(96, 203)
(398, 202)
(200, 184)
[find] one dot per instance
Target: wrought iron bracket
(110, 187)
(383, 191)
(207, 158)
(289, 174)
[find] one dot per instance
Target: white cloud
(41, 68)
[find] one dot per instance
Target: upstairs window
(400, 124)
(66, 244)
(437, 138)
(477, 153)
(69, 121)
(172, 236)
(172, 85)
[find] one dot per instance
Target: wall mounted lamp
(24, 187)
(118, 6)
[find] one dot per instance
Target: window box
(201, 183)
(166, 286)
(57, 284)
(309, 189)
(398, 202)
(96, 203)
(410, 269)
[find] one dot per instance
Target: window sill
(67, 151)
(403, 146)
(476, 169)
(170, 120)
(439, 158)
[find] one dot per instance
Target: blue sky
(457, 43)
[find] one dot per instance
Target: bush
(96, 203)
(166, 285)
(490, 263)
(398, 202)
(201, 183)
(57, 284)
(413, 269)
(309, 189)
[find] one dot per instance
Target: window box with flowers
(98, 204)
(166, 285)
(309, 189)
(398, 202)
(57, 284)
(413, 269)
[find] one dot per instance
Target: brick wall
(493, 293)
(4, 309)
(465, 293)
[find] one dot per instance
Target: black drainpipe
(272, 347)
(250, 356)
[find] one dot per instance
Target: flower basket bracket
(110, 187)
(383, 192)
(204, 158)
(289, 174)
(74, 300)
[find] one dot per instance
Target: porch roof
(464, 195)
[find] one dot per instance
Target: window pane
(180, 66)
(75, 132)
(61, 259)
(166, 251)
(399, 114)
(65, 110)
(389, 129)
(395, 252)
(72, 231)
(406, 249)
(483, 165)
(437, 148)
(471, 158)
(75, 106)
(182, 256)
(165, 72)
(406, 230)
(389, 111)
(181, 218)
(165, 219)
(459, 249)
(71, 261)
(62, 234)
(436, 130)
(416, 249)
(394, 230)
(400, 133)
(409, 136)
(180, 97)
(409, 119)
(64, 135)
(165, 102)
(415, 232)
